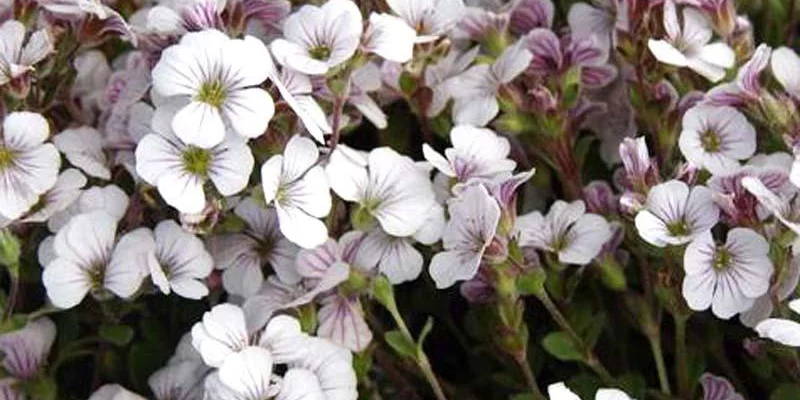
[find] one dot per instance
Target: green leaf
(426, 330)
(786, 391)
(571, 85)
(560, 346)
(43, 388)
(522, 396)
(401, 344)
(9, 252)
(119, 335)
(16, 322)
(362, 364)
(407, 82)
(633, 384)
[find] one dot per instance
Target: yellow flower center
(678, 228)
(196, 160)
(711, 141)
(320, 52)
(6, 157)
(212, 93)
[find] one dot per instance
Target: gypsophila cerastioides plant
(399, 199)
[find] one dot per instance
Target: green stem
(421, 360)
(12, 296)
(681, 357)
(530, 379)
(590, 358)
(336, 128)
(658, 356)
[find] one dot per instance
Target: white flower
(715, 138)
(221, 333)
(576, 236)
(474, 216)
(284, 338)
(442, 77)
(386, 185)
(109, 199)
(242, 255)
(182, 261)
(689, 47)
(83, 148)
(674, 215)
(781, 290)
(25, 351)
(63, 194)
(319, 38)
(16, 59)
(341, 318)
(28, 166)
(114, 392)
(430, 18)
(112, 20)
(296, 90)
(180, 170)
(785, 63)
(396, 257)
(783, 331)
(560, 391)
(87, 259)
(364, 80)
(329, 372)
(213, 80)
(248, 373)
(93, 73)
(389, 37)
(475, 90)
(780, 207)
(476, 153)
(726, 277)
(299, 191)
(182, 380)
(597, 20)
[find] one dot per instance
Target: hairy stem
(658, 356)
(422, 359)
(681, 357)
(530, 379)
(12, 297)
(336, 128)
(590, 358)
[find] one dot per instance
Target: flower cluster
(342, 199)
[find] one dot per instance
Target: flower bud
(9, 251)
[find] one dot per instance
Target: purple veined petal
(530, 14)
(546, 49)
(477, 23)
(750, 72)
(201, 15)
(342, 321)
(718, 388)
(598, 76)
(585, 52)
(333, 276)
(270, 14)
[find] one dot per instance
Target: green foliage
(561, 346)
